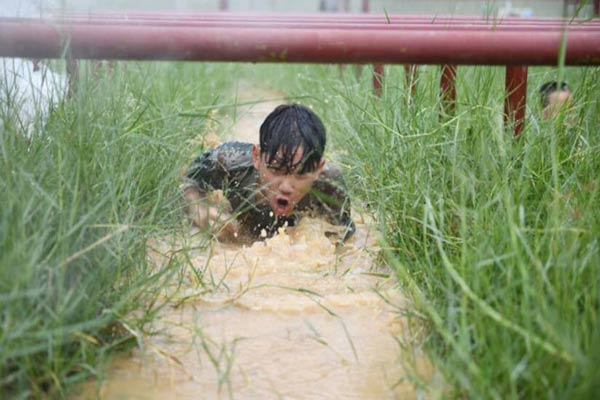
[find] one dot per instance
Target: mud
(291, 317)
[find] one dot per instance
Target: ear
(256, 161)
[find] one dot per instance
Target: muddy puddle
(290, 317)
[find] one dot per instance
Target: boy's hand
(212, 211)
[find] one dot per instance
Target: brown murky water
(289, 318)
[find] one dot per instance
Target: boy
(270, 185)
(555, 97)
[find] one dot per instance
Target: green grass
(494, 238)
(78, 203)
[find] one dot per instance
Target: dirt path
(288, 318)
(249, 117)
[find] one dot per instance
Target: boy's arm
(210, 211)
(334, 202)
(204, 202)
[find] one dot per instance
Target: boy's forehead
(293, 161)
(561, 93)
(560, 96)
(298, 152)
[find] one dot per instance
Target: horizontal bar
(35, 38)
(322, 25)
(383, 18)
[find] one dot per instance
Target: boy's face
(557, 101)
(280, 188)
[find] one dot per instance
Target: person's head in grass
(555, 97)
(289, 157)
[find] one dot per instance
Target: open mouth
(282, 206)
(282, 202)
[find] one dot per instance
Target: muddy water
(289, 317)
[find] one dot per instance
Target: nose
(286, 187)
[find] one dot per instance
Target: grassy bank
(79, 200)
(494, 238)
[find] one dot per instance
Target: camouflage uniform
(229, 167)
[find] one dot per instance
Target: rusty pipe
(41, 39)
(326, 25)
(310, 18)
(376, 18)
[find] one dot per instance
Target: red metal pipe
(448, 88)
(328, 25)
(516, 97)
(37, 39)
(387, 17)
(316, 18)
(274, 17)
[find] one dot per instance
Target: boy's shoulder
(331, 171)
(330, 184)
(231, 155)
(331, 178)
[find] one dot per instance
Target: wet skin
(283, 189)
(557, 101)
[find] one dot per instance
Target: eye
(302, 176)
(275, 170)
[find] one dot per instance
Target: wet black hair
(550, 87)
(284, 131)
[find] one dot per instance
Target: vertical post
(570, 8)
(72, 75)
(516, 97)
(378, 68)
(346, 6)
(223, 5)
(377, 79)
(596, 8)
(410, 77)
(36, 64)
(365, 6)
(448, 89)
